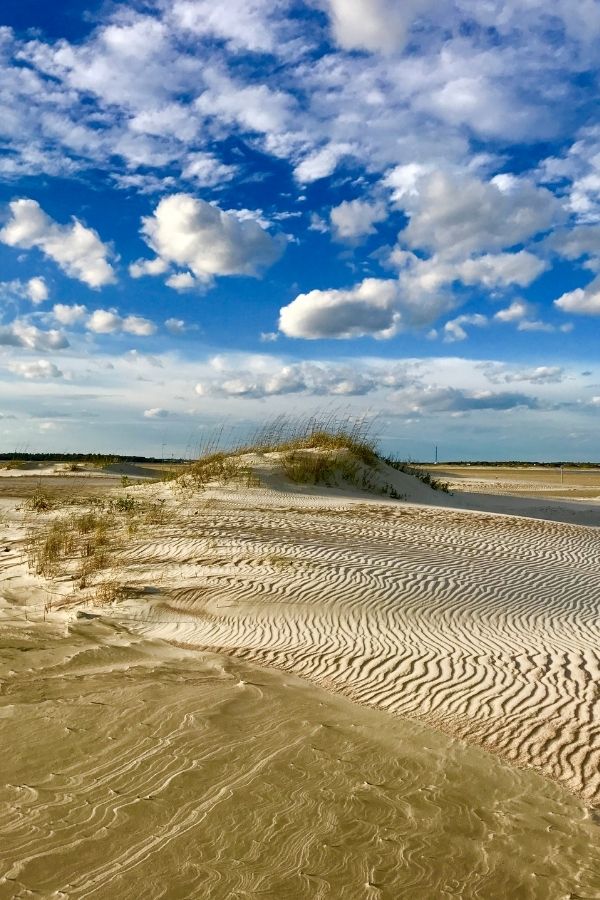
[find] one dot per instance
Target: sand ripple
(135, 769)
(484, 626)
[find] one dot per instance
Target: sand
(283, 648)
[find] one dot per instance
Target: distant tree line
(514, 463)
(98, 459)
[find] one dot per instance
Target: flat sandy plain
(569, 483)
(305, 693)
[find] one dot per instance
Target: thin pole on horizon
(436, 455)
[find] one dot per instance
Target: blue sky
(216, 213)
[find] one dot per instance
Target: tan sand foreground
(167, 721)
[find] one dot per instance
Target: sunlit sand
(303, 691)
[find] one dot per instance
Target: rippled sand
(133, 769)
(168, 748)
(484, 626)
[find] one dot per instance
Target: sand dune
(180, 748)
(482, 625)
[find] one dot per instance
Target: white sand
(137, 755)
(483, 625)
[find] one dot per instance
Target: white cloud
(518, 310)
(181, 281)
(206, 170)
(104, 321)
(156, 413)
(191, 233)
(403, 181)
(454, 330)
(579, 168)
(369, 308)
(69, 314)
(138, 325)
(243, 24)
(582, 301)
(535, 325)
(502, 373)
(321, 163)
(77, 250)
(108, 321)
(41, 369)
(21, 333)
(501, 269)
(266, 377)
(460, 215)
(354, 219)
(176, 326)
(142, 267)
(252, 108)
(377, 25)
(37, 289)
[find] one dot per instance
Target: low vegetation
(426, 477)
(80, 545)
(222, 468)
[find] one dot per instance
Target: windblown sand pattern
(483, 626)
(132, 769)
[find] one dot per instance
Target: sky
(212, 214)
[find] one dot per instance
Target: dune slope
(485, 626)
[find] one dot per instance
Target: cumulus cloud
(517, 311)
(440, 399)
(156, 413)
(369, 308)
(206, 170)
(403, 383)
(501, 269)
(376, 25)
(77, 250)
(69, 314)
(181, 281)
(198, 236)
(21, 333)
(41, 369)
(502, 373)
(279, 379)
(251, 107)
(322, 162)
(108, 321)
(242, 24)
(458, 215)
(37, 289)
(582, 301)
(454, 328)
(354, 219)
(148, 267)
(176, 326)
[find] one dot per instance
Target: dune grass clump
(316, 432)
(47, 550)
(426, 477)
(40, 501)
(320, 468)
(222, 468)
